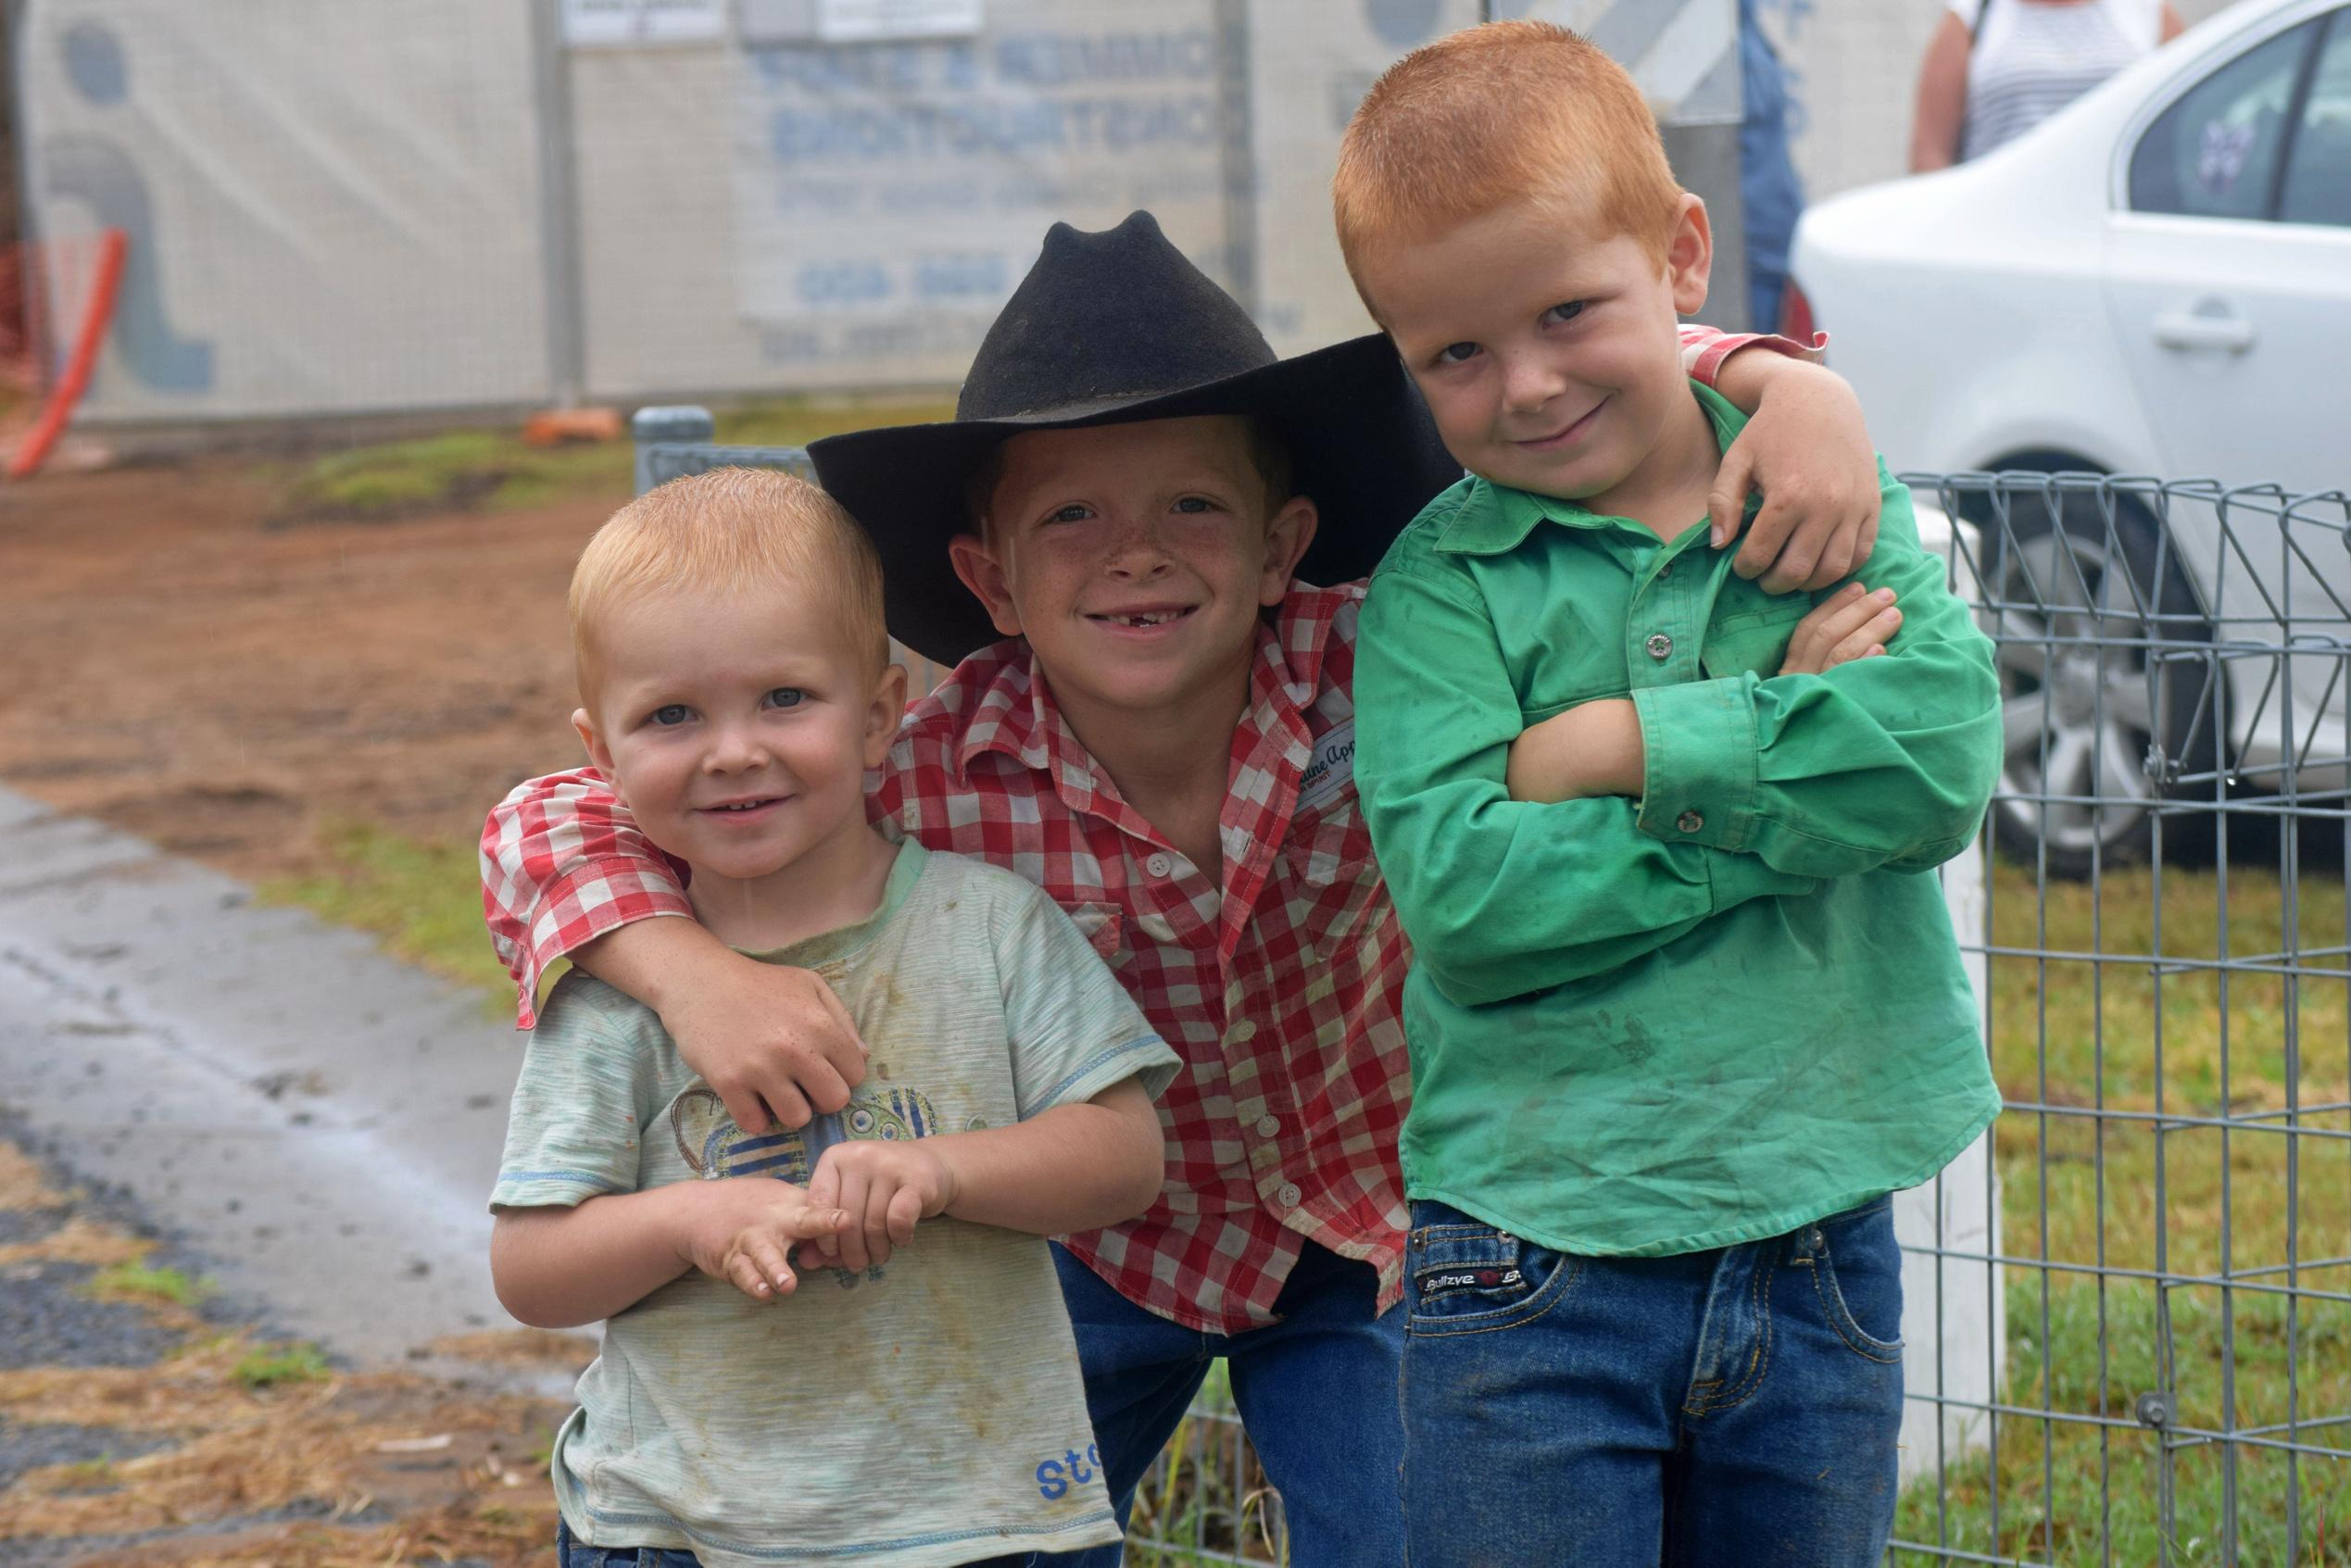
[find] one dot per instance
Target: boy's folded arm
(556, 1267)
(1502, 898)
(567, 872)
(562, 863)
(1077, 1167)
(1887, 762)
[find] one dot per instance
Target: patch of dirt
(184, 670)
(158, 1451)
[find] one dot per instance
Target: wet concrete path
(321, 1122)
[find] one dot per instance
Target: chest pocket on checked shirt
(1327, 864)
(1102, 925)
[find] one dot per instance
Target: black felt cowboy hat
(1118, 326)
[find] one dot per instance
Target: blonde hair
(727, 529)
(1509, 111)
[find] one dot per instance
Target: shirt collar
(1494, 518)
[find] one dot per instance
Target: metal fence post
(559, 207)
(670, 423)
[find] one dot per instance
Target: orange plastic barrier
(96, 317)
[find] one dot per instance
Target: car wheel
(2087, 609)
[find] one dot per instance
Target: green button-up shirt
(1724, 1009)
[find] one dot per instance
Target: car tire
(2084, 602)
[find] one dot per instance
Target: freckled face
(1136, 557)
(1545, 345)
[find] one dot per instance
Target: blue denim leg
(1141, 1372)
(571, 1553)
(1788, 1429)
(1316, 1392)
(1539, 1392)
(1317, 1397)
(1731, 1406)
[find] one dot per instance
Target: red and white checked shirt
(1279, 989)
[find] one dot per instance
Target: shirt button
(1156, 927)
(1288, 1195)
(1242, 1032)
(1267, 1126)
(1689, 822)
(1158, 865)
(1660, 645)
(1664, 571)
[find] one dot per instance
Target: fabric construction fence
(338, 209)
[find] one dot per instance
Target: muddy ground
(185, 663)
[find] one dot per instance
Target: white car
(2155, 282)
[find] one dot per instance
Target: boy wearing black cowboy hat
(1151, 719)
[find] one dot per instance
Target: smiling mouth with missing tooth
(1149, 618)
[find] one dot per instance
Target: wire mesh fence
(2130, 1327)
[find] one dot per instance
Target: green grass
(494, 470)
(2106, 1031)
(136, 1282)
(422, 900)
(267, 1366)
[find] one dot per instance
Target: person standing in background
(1995, 68)
(1768, 190)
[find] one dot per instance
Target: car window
(2318, 176)
(2214, 153)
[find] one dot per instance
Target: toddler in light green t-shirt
(845, 1340)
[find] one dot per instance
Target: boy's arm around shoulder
(562, 863)
(567, 872)
(574, 1240)
(1878, 763)
(1502, 898)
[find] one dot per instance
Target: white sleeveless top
(2031, 60)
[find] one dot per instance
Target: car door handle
(2195, 328)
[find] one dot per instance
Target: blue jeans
(1317, 1393)
(1733, 1406)
(570, 1553)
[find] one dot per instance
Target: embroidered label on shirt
(1329, 768)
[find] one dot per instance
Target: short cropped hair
(1268, 454)
(729, 528)
(1509, 111)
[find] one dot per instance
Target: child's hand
(743, 1228)
(1849, 625)
(1807, 449)
(885, 1186)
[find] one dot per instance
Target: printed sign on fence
(862, 21)
(890, 195)
(621, 23)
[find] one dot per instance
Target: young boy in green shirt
(1683, 1012)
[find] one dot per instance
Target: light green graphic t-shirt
(926, 1412)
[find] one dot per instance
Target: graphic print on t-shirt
(712, 1145)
